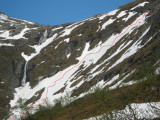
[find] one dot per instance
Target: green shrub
(145, 70)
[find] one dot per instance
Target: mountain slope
(34, 57)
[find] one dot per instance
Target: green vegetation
(145, 71)
(5, 96)
(103, 101)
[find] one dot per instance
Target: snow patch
(108, 14)
(119, 82)
(57, 28)
(132, 50)
(6, 34)
(3, 17)
(6, 44)
(112, 80)
(129, 16)
(70, 28)
(107, 23)
(147, 111)
(158, 71)
(113, 12)
(85, 51)
(122, 47)
(121, 14)
(68, 55)
(58, 45)
(103, 16)
(129, 83)
(139, 5)
(38, 48)
(67, 40)
(80, 35)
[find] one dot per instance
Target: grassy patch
(103, 101)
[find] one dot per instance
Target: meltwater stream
(42, 39)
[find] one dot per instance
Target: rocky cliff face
(122, 48)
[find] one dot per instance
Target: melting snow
(27, 92)
(108, 14)
(6, 44)
(129, 83)
(68, 55)
(58, 44)
(113, 12)
(42, 62)
(122, 47)
(119, 82)
(38, 48)
(95, 68)
(121, 14)
(139, 5)
(57, 28)
(132, 50)
(3, 17)
(67, 40)
(80, 35)
(141, 111)
(158, 71)
(85, 51)
(103, 16)
(112, 80)
(69, 29)
(107, 23)
(93, 58)
(129, 16)
(156, 62)
(98, 28)
(19, 36)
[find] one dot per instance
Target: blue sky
(55, 12)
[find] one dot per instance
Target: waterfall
(43, 37)
(41, 40)
(24, 75)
